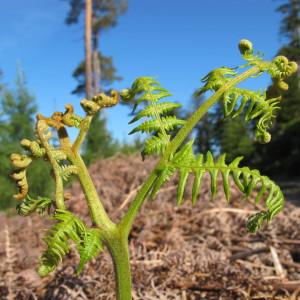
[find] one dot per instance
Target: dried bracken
(176, 253)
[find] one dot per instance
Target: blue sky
(178, 42)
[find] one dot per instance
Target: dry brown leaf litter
(201, 252)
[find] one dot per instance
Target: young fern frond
(160, 116)
(89, 247)
(67, 170)
(69, 227)
(255, 105)
(246, 180)
(30, 205)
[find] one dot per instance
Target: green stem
(128, 219)
(98, 213)
(59, 187)
(133, 210)
(84, 127)
(118, 248)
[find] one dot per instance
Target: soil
(200, 252)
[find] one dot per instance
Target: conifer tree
(99, 142)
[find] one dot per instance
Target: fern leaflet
(89, 247)
(30, 205)
(160, 116)
(185, 162)
(69, 227)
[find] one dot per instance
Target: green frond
(256, 106)
(89, 247)
(67, 170)
(246, 180)
(30, 205)
(68, 227)
(237, 101)
(215, 79)
(160, 118)
(164, 123)
(155, 109)
(58, 155)
(156, 144)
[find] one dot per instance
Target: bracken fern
(167, 139)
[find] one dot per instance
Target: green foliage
(147, 89)
(237, 100)
(68, 227)
(30, 205)
(246, 180)
(89, 247)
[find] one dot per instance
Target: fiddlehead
(20, 162)
(98, 102)
(146, 89)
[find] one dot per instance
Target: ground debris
(200, 252)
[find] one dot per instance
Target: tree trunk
(88, 54)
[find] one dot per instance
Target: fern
(69, 227)
(30, 205)
(89, 247)
(236, 101)
(67, 170)
(160, 116)
(246, 180)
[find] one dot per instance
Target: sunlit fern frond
(30, 205)
(237, 101)
(89, 247)
(246, 180)
(68, 227)
(216, 79)
(160, 118)
(255, 106)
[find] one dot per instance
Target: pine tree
(99, 142)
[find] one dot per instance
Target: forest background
(176, 42)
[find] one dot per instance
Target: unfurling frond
(246, 180)
(21, 180)
(67, 170)
(69, 227)
(160, 116)
(258, 106)
(89, 247)
(34, 147)
(237, 101)
(99, 101)
(30, 205)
